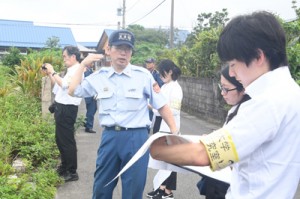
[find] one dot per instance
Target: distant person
(172, 91)
(65, 114)
(233, 93)
(91, 106)
(150, 65)
(122, 91)
(261, 142)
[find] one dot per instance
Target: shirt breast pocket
(133, 100)
(106, 101)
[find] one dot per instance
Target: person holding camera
(65, 114)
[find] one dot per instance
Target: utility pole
(124, 11)
(172, 25)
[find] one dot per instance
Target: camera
(52, 107)
(44, 67)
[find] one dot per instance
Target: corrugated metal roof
(88, 44)
(13, 22)
(84, 49)
(25, 34)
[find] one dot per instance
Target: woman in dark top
(233, 93)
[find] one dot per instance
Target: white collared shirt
(61, 95)
(266, 134)
(173, 93)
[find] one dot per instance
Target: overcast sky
(88, 18)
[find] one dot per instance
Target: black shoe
(90, 130)
(155, 192)
(70, 176)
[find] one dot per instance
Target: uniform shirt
(173, 93)
(157, 78)
(266, 137)
(62, 95)
(122, 98)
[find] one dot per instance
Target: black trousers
(171, 181)
(65, 118)
(212, 188)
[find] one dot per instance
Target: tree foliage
(206, 22)
(199, 58)
(13, 58)
(53, 43)
(149, 42)
(28, 73)
(292, 29)
(154, 36)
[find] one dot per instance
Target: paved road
(87, 145)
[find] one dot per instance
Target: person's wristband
(54, 73)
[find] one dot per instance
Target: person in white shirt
(261, 142)
(169, 73)
(65, 114)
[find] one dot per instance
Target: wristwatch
(54, 73)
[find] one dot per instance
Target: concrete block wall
(202, 98)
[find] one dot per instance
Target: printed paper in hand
(222, 175)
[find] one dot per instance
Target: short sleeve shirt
(122, 97)
(61, 92)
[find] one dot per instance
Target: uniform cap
(121, 37)
(150, 60)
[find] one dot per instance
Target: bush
(13, 58)
(24, 134)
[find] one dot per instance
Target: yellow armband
(220, 149)
(175, 104)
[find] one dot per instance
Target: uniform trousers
(171, 181)
(115, 150)
(65, 118)
(91, 108)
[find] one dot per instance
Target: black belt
(119, 128)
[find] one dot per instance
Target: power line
(133, 5)
(148, 12)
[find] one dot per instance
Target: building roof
(25, 34)
(91, 45)
(85, 49)
(104, 38)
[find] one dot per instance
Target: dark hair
(237, 84)
(72, 50)
(244, 35)
(166, 66)
(234, 113)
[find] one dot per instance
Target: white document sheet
(222, 175)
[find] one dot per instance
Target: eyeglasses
(125, 49)
(225, 90)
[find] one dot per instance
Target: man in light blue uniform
(122, 93)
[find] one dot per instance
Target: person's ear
(261, 57)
